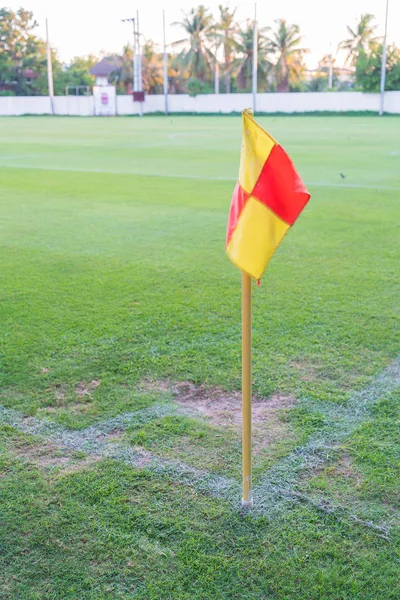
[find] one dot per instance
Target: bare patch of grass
(42, 455)
(341, 479)
(80, 465)
(52, 457)
(85, 389)
(224, 409)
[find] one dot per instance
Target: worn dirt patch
(224, 409)
(341, 469)
(113, 436)
(308, 371)
(85, 389)
(80, 407)
(345, 469)
(80, 465)
(49, 456)
(43, 455)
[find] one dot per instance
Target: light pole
(137, 66)
(49, 70)
(165, 60)
(383, 69)
(255, 57)
(330, 71)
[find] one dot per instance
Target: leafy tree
(197, 59)
(369, 67)
(20, 50)
(176, 76)
(360, 38)
(284, 45)
(77, 73)
(225, 33)
(244, 62)
(195, 86)
(152, 72)
(153, 78)
(122, 75)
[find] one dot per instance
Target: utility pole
(139, 62)
(330, 72)
(383, 69)
(49, 71)
(137, 65)
(216, 77)
(165, 60)
(255, 58)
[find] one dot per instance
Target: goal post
(78, 90)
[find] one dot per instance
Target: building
(103, 70)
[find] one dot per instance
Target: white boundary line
(278, 489)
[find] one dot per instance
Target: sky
(81, 27)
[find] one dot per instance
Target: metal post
(165, 59)
(134, 69)
(49, 71)
(139, 63)
(134, 66)
(330, 72)
(383, 69)
(255, 57)
(216, 78)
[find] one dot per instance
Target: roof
(104, 68)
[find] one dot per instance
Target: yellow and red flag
(267, 200)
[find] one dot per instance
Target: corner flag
(267, 200)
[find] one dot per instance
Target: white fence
(207, 103)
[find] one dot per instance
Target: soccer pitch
(120, 365)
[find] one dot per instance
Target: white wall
(210, 103)
(318, 101)
(83, 106)
(392, 102)
(22, 105)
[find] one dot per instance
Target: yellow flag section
(267, 200)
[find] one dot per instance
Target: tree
(176, 78)
(152, 69)
(197, 59)
(244, 62)
(74, 75)
(22, 54)
(369, 67)
(122, 75)
(225, 32)
(360, 38)
(284, 45)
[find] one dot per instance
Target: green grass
(113, 270)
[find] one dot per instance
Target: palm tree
(284, 44)
(359, 39)
(176, 78)
(225, 33)
(152, 69)
(244, 64)
(121, 65)
(197, 58)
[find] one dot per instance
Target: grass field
(120, 365)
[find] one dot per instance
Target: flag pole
(247, 499)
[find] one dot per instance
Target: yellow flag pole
(247, 499)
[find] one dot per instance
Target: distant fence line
(206, 103)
